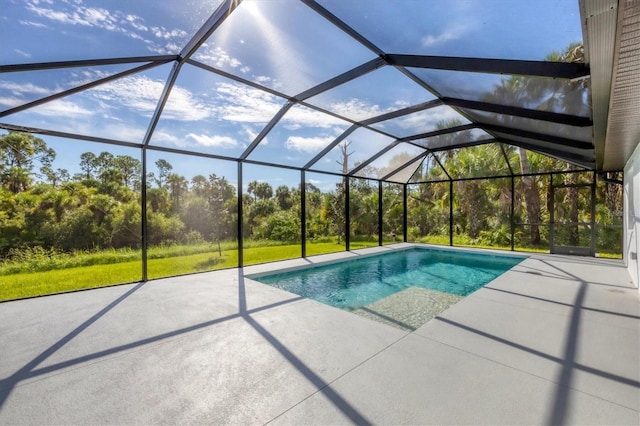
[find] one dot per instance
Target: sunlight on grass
(254, 255)
(323, 248)
(180, 265)
(98, 269)
(17, 286)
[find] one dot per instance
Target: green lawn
(17, 286)
(27, 284)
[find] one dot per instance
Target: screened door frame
(581, 250)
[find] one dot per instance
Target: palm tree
(531, 196)
(59, 200)
(546, 95)
(199, 185)
(178, 185)
(263, 191)
(251, 189)
(283, 195)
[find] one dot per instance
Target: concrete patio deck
(556, 340)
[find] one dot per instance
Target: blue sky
(280, 44)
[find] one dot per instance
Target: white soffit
(599, 27)
(623, 127)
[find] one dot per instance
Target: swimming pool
(357, 283)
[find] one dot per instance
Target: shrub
(283, 226)
(193, 238)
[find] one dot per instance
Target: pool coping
(282, 266)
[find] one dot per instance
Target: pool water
(356, 283)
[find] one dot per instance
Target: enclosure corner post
(143, 211)
(347, 215)
(593, 216)
(303, 214)
(380, 225)
(512, 215)
(404, 213)
(552, 215)
(239, 218)
(451, 213)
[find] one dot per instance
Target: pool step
(409, 309)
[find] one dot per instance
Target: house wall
(632, 216)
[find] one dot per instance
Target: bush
(413, 233)
(499, 237)
(193, 238)
(283, 226)
(39, 259)
(29, 254)
(78, 230)
(162, 229)
(127, 226)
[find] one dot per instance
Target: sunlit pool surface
(357, 283)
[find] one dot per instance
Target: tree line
(100, 207)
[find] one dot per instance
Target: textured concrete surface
(553, 341)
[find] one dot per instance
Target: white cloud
(79, 15)
(305, 117)
(162, 32)
(428, 119)
(22, 53)
(356, 109)
(99, 18)
(233, 102)
(238, 103)
(33, 24)
(52, 14)
(80, 77)
(251, 135)
(184, 106)
(11, 102)
(214, 141)
(141, 95)
(21, 89)
(138, 93)
(311, 145)
(63, 108)
(160, 137)
(121, 132)
(136, 36)
(172, 47)
(401, 103)
(217, 57)
(451, 33)
(158, 39)
(136, 22)
(431, 40)
(244, 104)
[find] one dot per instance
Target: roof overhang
(612, 50)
